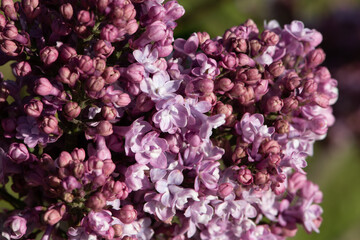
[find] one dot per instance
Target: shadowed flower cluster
(113, 129)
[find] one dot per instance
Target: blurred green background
(336, 163)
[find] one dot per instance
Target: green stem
(16, 203)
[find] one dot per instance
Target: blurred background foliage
(335, 165)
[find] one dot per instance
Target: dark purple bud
(22, 69)
(18, 152)
(49, 124)
(251, 76)
(290, 104)
(110, 75)
(33, 108)
(315, 57)
(225, 189)
(123, 100)
(102, 5)
(48, 55)
(104, 128)
(135, 72)
(43, 87)
(8, 124)
(67, 52)
(156, 31)
(67, 11)
(127, 214)
(95, 84)
(276, 68)
(270, 147)
(96, 201)
(274, 104)
(131, 27)
(270, 38)
(244, 176)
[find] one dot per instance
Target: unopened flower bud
(255, 47)
(240, 45)
(64, 159)
(310, 87)
(225, 109)
(72, 110)
(49, 124)
(78, 170)
(78, 154)
(48, 55)
(261, 177)
(86, 65)
(110, 75)
(274, 104)
(238, 154)
(18, 152)
(70, 183)
(213, 48)
(205, 85)
(95, 84)
(276, 68)
(10, 48)
(67, 52)
(278, 188)
(247, 96)
(33, 108)
(85, 17)
(52, 217)
(282, 126)
(96, 201)
(104, 128)
(244, 176)
(274, 160)
(270, 38)
(118, 230)
(290, 104)
(127, 214)
(135, 72)
(225, 189)
(22, 69)
(109, 33)
(292, 81)
(224, 84)
(108, 167)
(67, 77)
(270, 147)
(67, 11)
(315, 57)
(144, 103)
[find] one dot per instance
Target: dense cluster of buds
(114, 130)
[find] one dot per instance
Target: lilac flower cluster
(115, 130)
